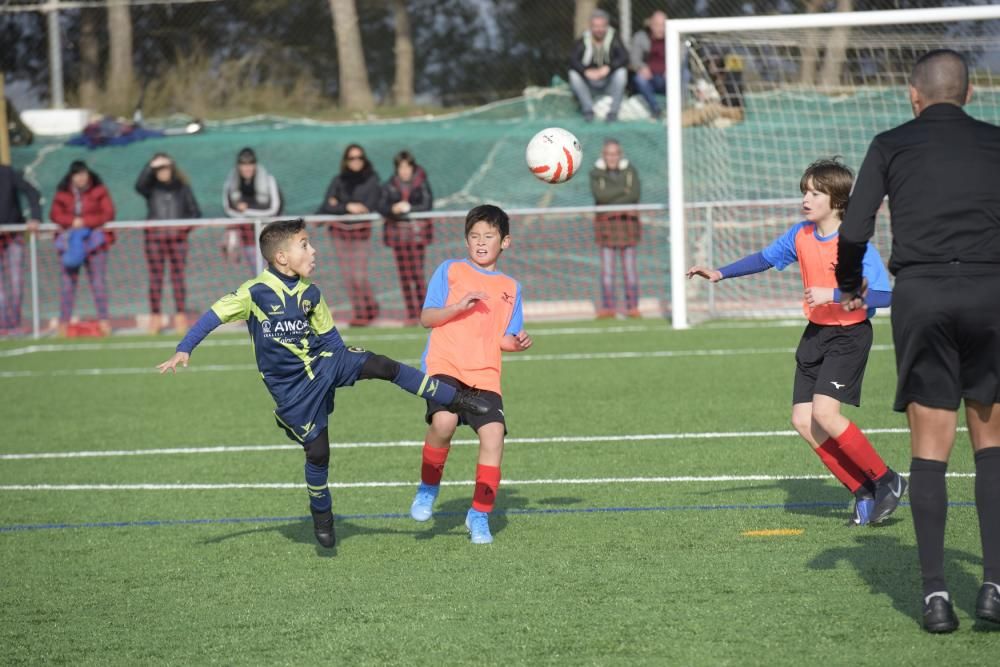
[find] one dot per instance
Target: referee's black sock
(988, 506)
(929, 503)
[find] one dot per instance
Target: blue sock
(423, 385)
(319, 492)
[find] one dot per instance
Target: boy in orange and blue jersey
(474, 313)
(833, 351)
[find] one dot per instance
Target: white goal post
(683, 205)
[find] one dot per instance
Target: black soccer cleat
(468, 400)
(888, 492)
(988, 603)
(939, 615)
(323, 528)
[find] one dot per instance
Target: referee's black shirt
(941, 171)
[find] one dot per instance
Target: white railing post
(36, 329)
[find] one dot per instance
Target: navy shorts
(305, 408)
(946, 330)
(495, 401)
(831, 361)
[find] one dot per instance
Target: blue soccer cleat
(478, 524)
(423, 502)
(864, 507)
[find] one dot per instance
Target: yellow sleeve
(320, 319)
(235, 305)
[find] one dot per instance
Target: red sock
(432, 467)
(855, 445)
(487, 483)
(840, 465)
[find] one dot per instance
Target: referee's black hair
(831, 177)
(941, 75)
(276, 234)
(494, 216)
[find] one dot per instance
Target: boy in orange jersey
(474, 313)
(833, 352)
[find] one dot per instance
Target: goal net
(767, 101)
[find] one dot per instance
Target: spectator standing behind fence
(12, 185)
(408, 191)
(613, 180)
(168, 197)
(81, 206)
(647, 59)
(250, 191)
(356, 190)
(598, 64)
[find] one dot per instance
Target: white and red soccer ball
(554, 155)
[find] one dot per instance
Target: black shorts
(831, 361)
(946, 329)
(495, 414)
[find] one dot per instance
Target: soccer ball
(554, 155)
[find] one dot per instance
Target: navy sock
(319, 492)
(929, 504)
(423, 385)
(988, 507)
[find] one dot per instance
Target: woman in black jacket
(356, 190)
(408, 191)
(168, 197)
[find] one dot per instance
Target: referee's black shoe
(988, 603)
(468, 400)
(888, 492)
(939, 615)
(323, 528)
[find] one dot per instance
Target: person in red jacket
(81, 206)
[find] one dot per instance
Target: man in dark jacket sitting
(598, 64)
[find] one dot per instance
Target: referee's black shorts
(831, 361)
(946, 329)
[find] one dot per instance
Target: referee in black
(942, 174)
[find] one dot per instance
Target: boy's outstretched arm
(204, 326)
(435, 317)
(516, 342)
(754, 263)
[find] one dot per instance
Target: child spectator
(613, 180)
(833, 352)
(408, 191)
(81, 206)
(356, 190)
(12, 186)
(474, 313)
(250, 191)
(168, 197)
(302, 358)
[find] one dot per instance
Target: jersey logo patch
(306, 306)
(508, 298)
(266, 326)
(356, 350)
(276, 309)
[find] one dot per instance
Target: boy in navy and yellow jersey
(833, 352)
(302, 358)
(474, 313)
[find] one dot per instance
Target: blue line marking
(398, 515)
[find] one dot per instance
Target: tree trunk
(120, 81)
(581, 16)
(836, 50)
(402, 88)
(809, 50)
(355, 91)
(90, 86)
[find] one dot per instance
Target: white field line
(225, 449)
(409, 483)
(580, 356)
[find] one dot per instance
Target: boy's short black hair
(831, 177)
(494, 216)
(276, 234)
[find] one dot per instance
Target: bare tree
(355, 91)
(120, 81)
(402, 88)
(90, 86)
(836, 49)
(809, 50)
(581, 16)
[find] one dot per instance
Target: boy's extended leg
(380, 367)
(317, 470)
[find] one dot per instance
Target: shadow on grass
(449, 516)
(891, 568)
